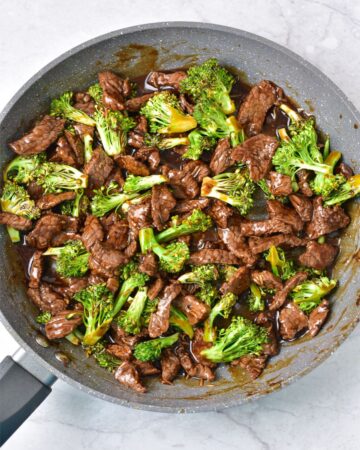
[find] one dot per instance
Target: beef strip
(35, 191)
(145, 368)
(254, 108)
(63, 153)
(71, 286)
(46, 299)
(185, 206)
(198, 345)
(121, 351)
(238, 282)
(326, 219)
(62, 324)
(115, 176)
(18, 222)
(318, 316)
(303, 177)
(136, 103)
(291, 320)
(136, 137)
(345, 170)
(266, 279)
(139, 216)
(261, 244)
(220, 213)
(113, 284)
(170, 366)
(118, 235)
(264, 227)
(46, 228)
(268, 320)
(162, 203)
(49, 201)
(159, 320)
(184, 185)
(186, 106)
(195, 310)
(35, 269)
(105, 260)
(302, 205)
(115, 89)
(93, 232)
(221, 157)
(132, 165)
(212, 256)
(318, 256)
(192, 368)
(162, 79)
(254, 365)
(98, 168)
(237, 244)
(40, 137)
(84, 102)
(149, 155)
(82, 130)
(77, 146)
(128, 375)
(281, 295)
(155, 288)
(289, 216)
(148, 264)
(197, 169)
(280, 184)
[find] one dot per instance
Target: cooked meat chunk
(198, 345)
(326, 219)
(35, 191)
(98, 168)
(77, 146)
(345, 170)
(84, 102)
(35, 269)
(46, 228)
(159, 320)
(148, 264)
(93, 232)
(254, 108)
(132, 165)
(237, 244)
(115, 89)
(82, 130)
(221, 158)
(192, 368)
(281, 296)
(170, 366)
(269, 321)
(302, 205)
(197, 169)
(195, 310)
(63, 153)
(63, 237)
(137, 136)
(289, 216)
(186, 105)
(136, 103)
(238, 282)
(46, 299)
(145, 368)
(62, 324)
(139, 216)
(254, 365)
(212, 256)
(185, 206)
(118, 235)
(128, 375)
(48, 201)
(182, 182)
(280, 184)
(149, 155)
(318, 256)
(155, 288)
(266, 279)
(220, 213)
(256, 153)
(71, 286)
(264, 227)
(292, 320)
(303, 176)
(18, 222)
(318, 316)
(105, 260)
(261, 244)
(40, 137)
(162, 79)
(121, 351)
(162, 203)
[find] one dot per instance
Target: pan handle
(24, 385)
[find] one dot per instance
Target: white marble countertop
(322, 410)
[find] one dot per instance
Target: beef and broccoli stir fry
(178, 226)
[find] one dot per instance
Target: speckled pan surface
(134, 51)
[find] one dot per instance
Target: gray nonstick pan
(25, 379)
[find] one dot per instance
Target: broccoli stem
(179, 320)
(14, 234)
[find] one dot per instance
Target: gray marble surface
(321, 411)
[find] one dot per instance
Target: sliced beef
(35, 190)
(162, 203)
(18, 222)
(194, 309)
(136, 103)
(170, 366)
(155, 288)
(266, 279)
(302, 205)
(148, 264)
(291, 320)
(220, 213)
(93, 232)
(98, 168)
(77, 146)
(115, 90)
(139, 216)
(186, 106)
(105, 260)
(318, 316)
(63, 153)
(136, 137)
(192, 368)
(118, 235)
(62, 324)
(326, 219)
(238, 282)
(212, 256)
(221, 157)
(70, 286)
(280, 184)
(261, 244)
(150, 156)
(113, 284)
(49, 201)
(46, 228)
(197, 169)
(198, 345)
(268, 320)
(264, 227)
(254, 108)
(84, 102)
(145, 368)
(289, 216)
(237, 244)
(345, 170)
(254, 365)
(318, 256)
(132, 165)
(128, 375)
(303, 177)
(40, 137)
(159, 320)
(281, 296)
(63, 237)
(46, 299)
(121, 351)
(82, 130)
(162, 79)
(115, 176)
(35, 269)
(184, 185)
(257, 153)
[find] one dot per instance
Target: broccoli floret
(22, 168)
(309, 294)
(43, 317)
(113, 127)
(280, 265)
(197, 221)
(198, 143)
(215, 123)
(171, 258)
(108, 198)
(179, 320)
(104, 359)
(256, 298)
(150, 307)
(223, 309)
(324, 184)
(200, 275)
(164, 143)
(135, 201)
(130, 320)
(134, 280)
(208, 293)
(234, 188)
(242, 337)
(54, 177)
(76, 207)
(16, 200)
(137, 184)
(61, 107)
(95, 91)
(151, 350)
(72, 260)
(349, 189)
(165, 116)
(97, 302)
(227, 271)
(210, 80)
(88, 149)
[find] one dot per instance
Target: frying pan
(26, 378)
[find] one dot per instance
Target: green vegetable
(151, 350)
(61, 107)
(256, 298)
(130, 320)
(72, 260)
(55, 177)
(136, 184)
(222, 308)
(104, 359)
(16, 200)
(198, 143)
(165, 143)
(108, 198)
(43, 317)
(76, 207)
(324, 184)
(280, 265)
(22, 168)
(95, 91)
(309, 294)
(349, 189)
(134, 279)
(179, 320)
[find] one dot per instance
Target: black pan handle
(24, 385)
